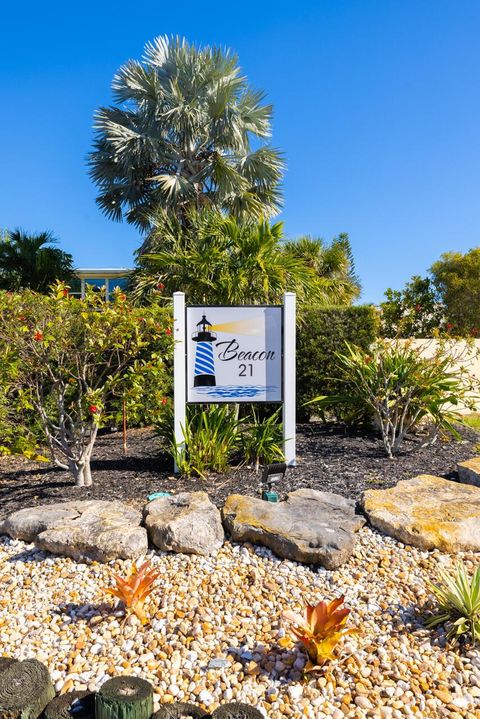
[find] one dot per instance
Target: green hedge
(321, 333)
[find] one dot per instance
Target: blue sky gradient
(377, 109)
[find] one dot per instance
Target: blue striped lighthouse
(204, 372)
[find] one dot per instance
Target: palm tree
(31, 261)
(226, 261)
(180, 136)
(333, 264)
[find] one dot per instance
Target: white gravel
(227, 607)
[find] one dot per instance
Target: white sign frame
(287, 392)
(234, 354)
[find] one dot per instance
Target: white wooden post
(179, 370)
(289, 378)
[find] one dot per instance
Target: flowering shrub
(69, 359)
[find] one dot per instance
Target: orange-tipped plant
(134, 590)
(320, 629)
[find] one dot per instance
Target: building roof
(103, 272)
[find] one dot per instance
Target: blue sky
(377, 109)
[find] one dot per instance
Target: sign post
(289, 375)
(179, 383)
(239, 354)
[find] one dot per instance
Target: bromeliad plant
(459, 604)
(134, 590)
(320, 628)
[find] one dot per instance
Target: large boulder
(428, 512)
(469, 471)
(97, 529)
(187, 522)
(310, 526)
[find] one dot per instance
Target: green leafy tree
(70, 358)
(415, 311)
(32, 261)
(333, 264)
(220, 260)
(456, 277)
(180, 135)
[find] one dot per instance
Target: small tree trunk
(124, 698)
(77, 469)
(87, 474)
(80, 468)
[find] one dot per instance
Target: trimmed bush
(321, 333)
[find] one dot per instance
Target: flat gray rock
(97, 529)
(187, 522)
(310, 526)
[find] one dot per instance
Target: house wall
(465, 353)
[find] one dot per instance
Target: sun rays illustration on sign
(204, 373)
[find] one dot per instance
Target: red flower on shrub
(164, 400)
(168, 331)
(122, 296)
(22, 318)
(93, 409)
(38, 336)
(449, 326)
(160, 286)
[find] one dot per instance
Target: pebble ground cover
(215, 630)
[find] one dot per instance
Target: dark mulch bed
(329, 458)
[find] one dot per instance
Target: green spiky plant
(400, 389)
(262, 439)
(458, 604)
(211, 439)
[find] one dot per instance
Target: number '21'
(245, 370)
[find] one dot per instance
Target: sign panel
(234, 354)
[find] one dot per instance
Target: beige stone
(427, 512)
(310, 526)
(187, 522)
(469, 471)
(98, 529)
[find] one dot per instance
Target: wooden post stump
(6, 662)
(25, 690)
(236, 710)
(180, 710)
(80, 705)
(124, 698)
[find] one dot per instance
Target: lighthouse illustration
(204, 372)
